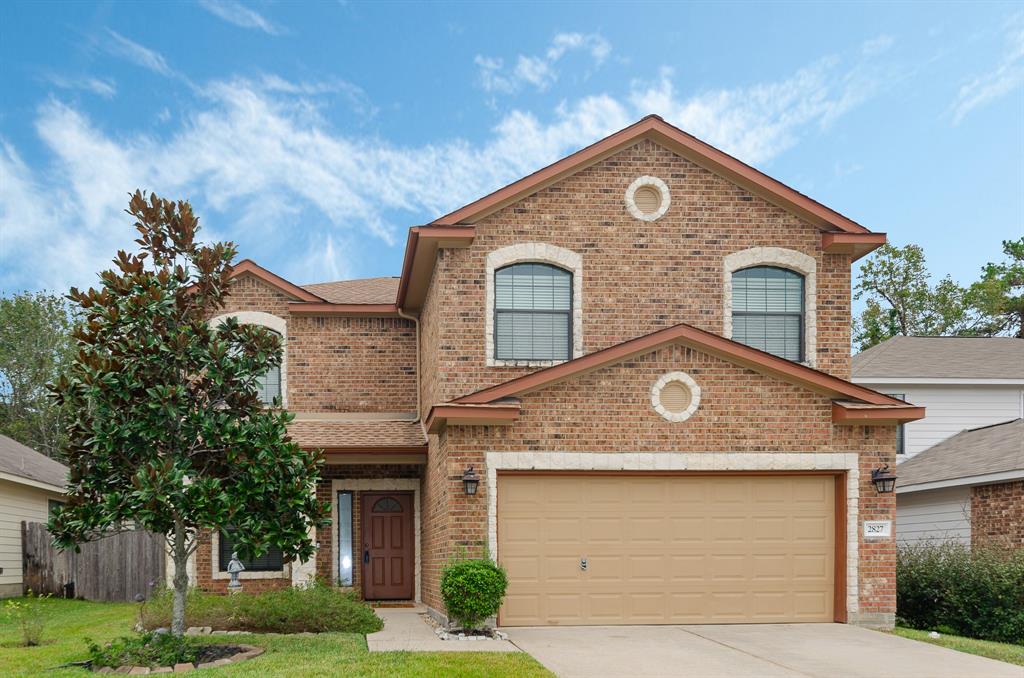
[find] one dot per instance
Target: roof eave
(329, 309)
(420, 253)
(856, 245)
(880, 416)
(454, 414)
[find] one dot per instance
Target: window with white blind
(768, 310)
(532, 312)
(269, 387)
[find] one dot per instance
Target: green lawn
(1005, 652)
(327, 654)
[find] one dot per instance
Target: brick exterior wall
(338, 364)
(638, 276)
(997, 515)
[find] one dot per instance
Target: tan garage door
(666, 549)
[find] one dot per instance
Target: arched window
(768, 310)
(532, 312)
(270, 384)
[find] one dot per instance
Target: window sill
(245, 574)
(492, 362)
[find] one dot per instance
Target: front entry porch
(372, 546)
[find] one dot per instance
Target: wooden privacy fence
(118, 567)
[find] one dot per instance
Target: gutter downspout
(416, 321)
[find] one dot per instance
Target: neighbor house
(31, 484)
(964, 480)
(964, 382)
(969, 488)
(625, 377)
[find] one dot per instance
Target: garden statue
(234, 568)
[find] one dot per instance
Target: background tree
(901, 300)
(35, 346)
(166, 430)
(999, 295)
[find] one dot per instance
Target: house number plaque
(877, 528)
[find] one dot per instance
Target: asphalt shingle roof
(327, 434)
(364, 291)
(942, 357)
(22, 461)
(981, 451)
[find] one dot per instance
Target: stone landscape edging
(247, 652)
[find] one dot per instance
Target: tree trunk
(180, 556)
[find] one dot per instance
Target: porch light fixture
(884, 479)
(470, 480)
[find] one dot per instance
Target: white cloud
(263, 165)
(877, 45)
(1007, 76)
(539, 71)
(120, 46)
(239, 15)
(105, 88)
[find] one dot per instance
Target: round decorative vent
(675, 396)
(647, 198)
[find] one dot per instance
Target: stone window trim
(376, 485)
(793, 260)
(533, 252)
(271, 322)
(284, 573)
(693, 461)
(657, 184)
(687, 381)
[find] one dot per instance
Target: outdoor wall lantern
(470, 481)
(884, 479)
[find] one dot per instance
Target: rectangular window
(900, 431)
(344, 539)
(271, 561)
(269, 388)
(53, 505)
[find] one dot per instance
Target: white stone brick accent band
(687, 381)
(783, 258)
(658, 185)
(271, 322)
(541, 253)
(689, 461)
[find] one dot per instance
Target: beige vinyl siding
(17, 503)
(954, 408)
(934, 515)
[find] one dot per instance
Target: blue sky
(314, 135)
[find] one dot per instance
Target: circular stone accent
(647, 198)
(675, 396)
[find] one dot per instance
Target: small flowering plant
(29, 614)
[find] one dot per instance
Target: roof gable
(686, 145)
(693, 337)
(248, 266)
(21, 464)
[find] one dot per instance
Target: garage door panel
(666, 549)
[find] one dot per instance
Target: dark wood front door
(388, 550)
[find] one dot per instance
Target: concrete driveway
(737, 651)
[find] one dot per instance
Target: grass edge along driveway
(70, 622)
(1004, 652)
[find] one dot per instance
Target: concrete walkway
(738, 651)
(405, 630)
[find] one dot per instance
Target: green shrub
(951, 588)
(29, 615)
(473, 590)
(316, 608)
(145, 649)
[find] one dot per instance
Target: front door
(388, 551)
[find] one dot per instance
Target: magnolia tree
(166, 429)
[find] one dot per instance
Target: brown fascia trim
(251, 267)
(877, 416)
(371, 449)
(676, 139)
(857, 244)
(327, 308)
(452, 414)
(727, 349)
(420, 250)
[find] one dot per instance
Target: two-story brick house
(587, 343)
